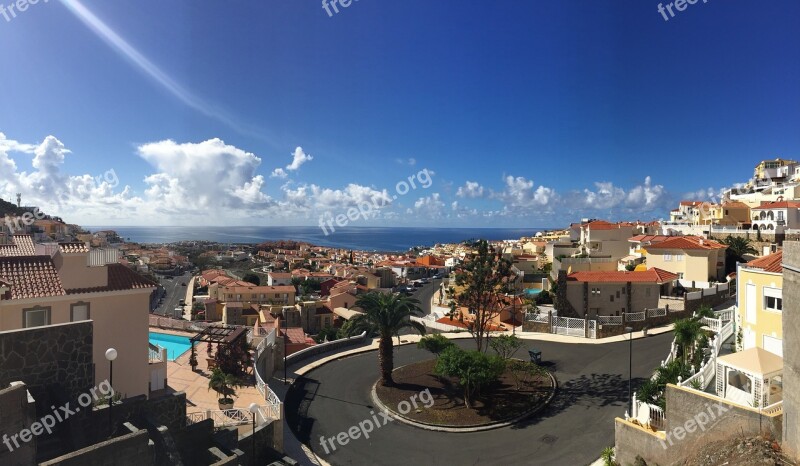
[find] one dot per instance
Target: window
(612, 298)
(680, 275)
(623, 292)
(667, 257)
(596, 291)
(679, 257)
(617, 294)
(773, 299)
(36, 317)
(79, 311)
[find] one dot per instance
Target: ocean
(398, 239)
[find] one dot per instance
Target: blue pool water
(174, 344)
(532, 291)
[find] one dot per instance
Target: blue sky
(526, 113)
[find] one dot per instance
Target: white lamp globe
(111, 354)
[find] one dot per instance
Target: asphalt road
(572, 430)
(175, 292)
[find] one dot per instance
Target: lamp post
(630, 369)
(285, 336)
(111, 355)
(253, 408)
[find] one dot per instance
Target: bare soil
(497, 403)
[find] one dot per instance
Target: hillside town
(237, 318)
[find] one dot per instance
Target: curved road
(579, 423)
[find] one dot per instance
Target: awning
(345, 313)
(756, 361)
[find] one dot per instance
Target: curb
(466, 429)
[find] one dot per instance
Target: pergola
(222, 335)
(750, 378)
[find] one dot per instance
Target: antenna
(19, 200)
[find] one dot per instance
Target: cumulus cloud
(471, 189)
(430, 206)
(519, 192)
(278, 173)
(298, 158)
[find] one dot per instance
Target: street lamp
(630, 369)
(285, 337)
(111, 355)
(253, 408)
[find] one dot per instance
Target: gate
(592, 329)
(568, 326)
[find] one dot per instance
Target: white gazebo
(750, 378)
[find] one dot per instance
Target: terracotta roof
(120, 278)
(23, 246)
(778, 205)
(737, 204)
(31, 277)
(648, 238)
(771, 263)
(687, 242)
(73, 248)
(691, 203)
(296, 335)
(653, 275)
(260, 289)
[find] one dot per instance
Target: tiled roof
(653, 275)
(648, 238)
(31, 277)
(736, 204)
(687, 242)
(120, 278)
(778, 205)
(771, 263)
(296, 335)
(260, 289)
(691, 203)
(23, 246)
(73, 248)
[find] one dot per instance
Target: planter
(225, 403)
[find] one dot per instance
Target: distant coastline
(394, 239)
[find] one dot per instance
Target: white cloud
(278, 173)
(430, 206)
(471, 189)
(298, 158)
(520, 192)
(411, 161)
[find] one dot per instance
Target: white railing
(325, 347)
(714, 324)
(635, 316)
(155, 353)
(661, 312)
(725, 314)
(775, 408)
(231, 417)
(569, 326)
(273, 408)
(648, 415)
(609, 320)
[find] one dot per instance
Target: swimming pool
(174, 344)
(532, 291)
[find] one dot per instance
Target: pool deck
(181, 378)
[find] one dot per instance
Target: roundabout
(333, 400)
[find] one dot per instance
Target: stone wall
(55, 355)
(17, 412)
(169, 410)
(791, 348)
(263, 436)
(686, 409)
(132, 449)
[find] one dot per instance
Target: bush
(435, 343)
(474, 370)
(505, 345)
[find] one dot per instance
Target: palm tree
(386, 315)
(738, 247)
(687, 332)
(224, 384)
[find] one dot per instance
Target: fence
(648, 415)
(660, 312)
(537, 317)
(234, 417)
(325, 347)
(569, 326)
(635, 316)
(609, 320)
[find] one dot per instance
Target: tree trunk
(386, 356)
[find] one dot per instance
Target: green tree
(474, 370)
(485, 277)
(738, 247)
(327, 334)
(435, 343)
(252, 278)
(224, 384)
(505, 345)
(524, 372)
(687, 332)
(386, 315)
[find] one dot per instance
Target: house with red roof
(58, 284)
(692, 258)
(772, 216)
(759, 303)
(612, 293)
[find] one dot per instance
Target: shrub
(474, 370)
(435, 343)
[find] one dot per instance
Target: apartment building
(759, 303)
(690, 257)
(53, 284)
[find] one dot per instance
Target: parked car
(182, 302)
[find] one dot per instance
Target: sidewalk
(187, 309)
